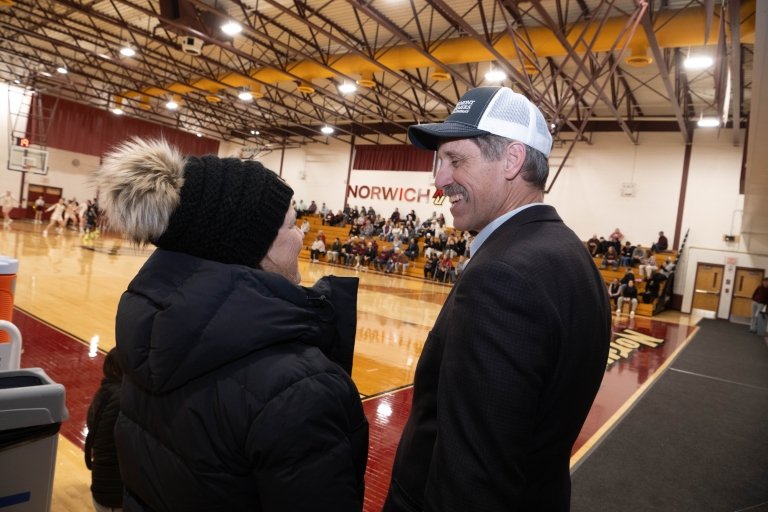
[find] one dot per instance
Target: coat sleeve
(311, 446)
(497, 357)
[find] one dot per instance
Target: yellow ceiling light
(638, 57)
(440, 75)
(366, 80)
(306, 88)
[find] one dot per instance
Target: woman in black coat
(237, 393)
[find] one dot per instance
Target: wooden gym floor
(66, 298)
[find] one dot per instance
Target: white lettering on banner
(396, 194)
(463, 107)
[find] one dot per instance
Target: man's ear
(514, 156)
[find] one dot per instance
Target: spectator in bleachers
(367, 230)
(652, 287)
(626, 254)
(395, 217)
(305, 227)
(430, 266)
(628, 294)
(661, 244)
(648, 267)
(602, 245)
(328, 218)
(445, 271)
(593, 244)
(321, 236)
(323, 211)
(400, 261)
(614, 289)
(450, 246)
(370, 253)
(338, 219)
(668, 267)
(412, 250)
(382, 260)
(638, 254)
(616, 236)
(628, 276)
(397, 230)
(386, 231)
(610, 258)
(354, 229)
(333, 253)
(317, 249)
(312, 208)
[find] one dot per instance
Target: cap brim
(429, 136)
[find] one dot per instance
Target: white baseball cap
(485, 110)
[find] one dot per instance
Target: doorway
(745, 283)
(706, 293)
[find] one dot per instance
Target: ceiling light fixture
(62, 70)
(495, 75)
(127, 51)
(172, 104)
(326, 130)
(117, 111)
(707, 122)
(231, 28)
(245, 94)
(698, 62)
(347, 88)
(254, 132)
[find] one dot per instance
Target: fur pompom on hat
(220, 209)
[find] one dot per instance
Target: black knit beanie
(230, 211)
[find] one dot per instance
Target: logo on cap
(463, 107)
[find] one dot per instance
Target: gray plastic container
(31, 411)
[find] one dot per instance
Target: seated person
(661, 244)
(668, 267)
(369, 256)
(602, 245)
(638, 255)
(610, 258)
(652, 287)
(616, 236)
(593, 244)
(628, 294)
(614, 289)
(648, 266)
(333, 254)
(445, 271)
(430, 266)
(317, 249)
(412, 251)
(400, 261)
(382, 260)
(626, 254)
(628, 276)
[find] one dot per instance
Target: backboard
(28, 159)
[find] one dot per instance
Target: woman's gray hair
(535, 167)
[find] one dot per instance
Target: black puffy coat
(100, 454)
(237, 393)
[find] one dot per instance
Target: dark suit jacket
(507, 376)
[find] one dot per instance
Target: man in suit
(516, 356)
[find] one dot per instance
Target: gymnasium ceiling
(591, 65)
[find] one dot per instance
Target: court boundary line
(606, 428)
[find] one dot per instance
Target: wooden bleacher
(642, 308)
(416, 268)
